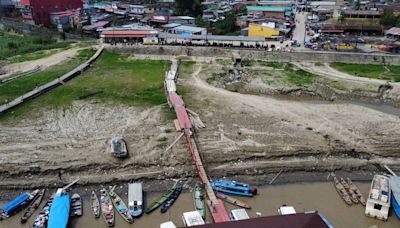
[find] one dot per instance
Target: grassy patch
(300, 77)
(12, 45)
(112, 78)
(186, 68)
(12, 89)
(33, 56)
(271, 64)
(247, 62)
(389, 73)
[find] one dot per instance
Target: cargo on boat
(33, 206)
(395, 187)
(76, 205)
(118, 146)
(95, 205)
(342, 191)
(171, 200)
(156, 204)
(352, 194)
(107, 208)
(233, 188)
(286, 210)
(121, 207)
(357, 191)
(198, 199)
(59, 212)
(378, 202)
(135, 199)
(43, 217)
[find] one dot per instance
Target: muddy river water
(304, 197)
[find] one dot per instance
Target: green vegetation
(285, 74)
(112, 78)
(190, 8)
(388, 18)
(389, 73)
(186, 68)
(11, 45)
(33, 56)
(15, 88)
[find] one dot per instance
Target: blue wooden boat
(17, 204)
(395, 187)
(233, 188)
(59, 212)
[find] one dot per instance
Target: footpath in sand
(21, 68)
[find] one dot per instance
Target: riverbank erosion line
(51, 85)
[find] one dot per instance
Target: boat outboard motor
(253, 191)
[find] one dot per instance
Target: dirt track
(42, 64)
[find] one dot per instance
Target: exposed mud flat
(76, 142)
(247, 137)
(250, 134)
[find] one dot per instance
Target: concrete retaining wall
(308, 56)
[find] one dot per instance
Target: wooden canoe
(159, 201)
(232, 200)
(107, 208)
(95, 205)
(33, 206)
(121, 207)
(351, 193)
(357, 191)
(342, 191)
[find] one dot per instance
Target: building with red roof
(41, 9)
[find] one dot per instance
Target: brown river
(304, 197)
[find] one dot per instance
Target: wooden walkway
(51, 85)
(215, 205)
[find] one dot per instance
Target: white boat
(118, 146)
(286, 210)
(378, 202)
(135, 199)
(239, 214)
(192, 218)
(168, 224)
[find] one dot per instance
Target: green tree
(388, 18)
(342, 17)
(188, 8)
(201, 22)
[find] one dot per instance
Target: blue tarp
(59, 211)
(8, 208)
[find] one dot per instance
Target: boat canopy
(59, 212)
(8, 208)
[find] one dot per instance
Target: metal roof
(268, 8)
(393, 31)
(300, 220)
(212, 37)
(186, 28)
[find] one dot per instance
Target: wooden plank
(390, 171)
(177, 126)
(176, 140)
(277, 175)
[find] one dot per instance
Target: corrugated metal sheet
(175, 100)
(15, 203)
(170, 75)
(171, 87)
(183, 118)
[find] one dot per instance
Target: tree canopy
(188, 8)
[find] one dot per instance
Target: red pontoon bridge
(215, 205)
